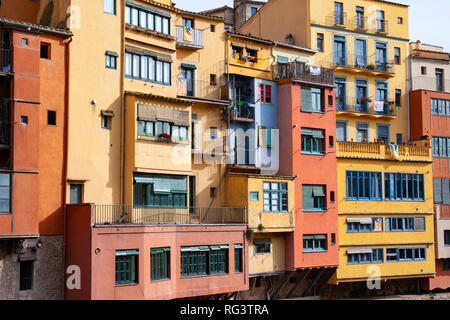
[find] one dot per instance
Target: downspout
(122, 110)
(65, 157)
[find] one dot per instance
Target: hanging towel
(378, 106)
(394, 148)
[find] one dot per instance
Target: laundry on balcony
(188, 34)
(378, 106)
(395, 154)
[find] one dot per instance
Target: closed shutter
(437, 190)
(341, 131)
(307, 196)
(306, 99)
(419, 224)
(446, 191)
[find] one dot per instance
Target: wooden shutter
(306, 99)
(419, 224)
(307, 197)
(437, 183)
(445, 191)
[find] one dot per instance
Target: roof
(281, 44)
(390, 2)
(249, 37)
(216, 9)
(34, 27)
(177, 10)
(157, 97)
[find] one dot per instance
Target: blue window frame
(253, 11)
(406, 254)
(384, 133)
(382, 94)
(361, 53)
(314, 243)
(341, 93)
(404, 186)
(338, 13)
(362, 131)
(341, 130)
(405, 224)
(275, 196)
(381, 56)
(363, 185)
(364, 256)
(339, 50)
(361, 87)
(363, 225)
(441, 147)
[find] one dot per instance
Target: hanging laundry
(188, 35)
(378, 106)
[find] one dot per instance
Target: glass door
(338, 13)
(361, 96)
(188, 76)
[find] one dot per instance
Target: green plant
(249, 234)
(370, 67)
(260, 227)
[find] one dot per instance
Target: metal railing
(243, 109)
(198, 88)
(300, 71)
(365, 105)
(337, 18)
(5, 60)
(359, 22)
(189, 37)
(361, 62)
(5, 126)
(129, 214)
(382, 26)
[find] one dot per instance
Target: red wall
(310, 170)
(100, 283)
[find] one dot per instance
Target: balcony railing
(366, 106)
(369, 150)
(189, 37)
(382, 26)
(5, 60)
(337, 18)
(359, 63)
(243, 109)
(429, 83)
(128, 214)
(300, 71)
(359, 23)
(198, 89)
(4, 123)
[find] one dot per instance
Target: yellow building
(384, 193)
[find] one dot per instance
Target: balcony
(382, 26)
(5, 61)
(360, 65)
(243, 110)
(306, 73)
(189, 38)
(359, 23)
(337, 19)
(365, 107)
(429, 83)
(198, 89)
(379, 151)
(130, 215)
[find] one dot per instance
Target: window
(381, 56)
(333, 238)
(383, 133)
(439, 79)
(160, 191)
(157, 128)
(362, 256)
(340, 50)
(320, 42)
(397, 55)
(404, 186)
(314, 243)
(400, 224)
(111, 60)
(332, 195)
(314, 198)
(446, 264)
(363, 185)
(341, 131)
(106, 122)
(440, 107)
(110, 6)
(212, 28)
(398, 97)
(76, 193)
(24, 120)
(253, 11)
(400, 20)
(341, 93)
(238, 265)
(381, 26)
(338, 13)
(441, 191)
(147, 68)
(127, 266)
(212, 80)
(405, 254)
(154, 21)
(311, 99)
(275, 196)
(313, 141)
(204, 260)
(361, 53)
(254, 196)
(360, 21)
(331, 141)
(423, 70)
(187, 23)
(51, 118)
(262, 246)
(24, 41)
(45, 50)
(265, 93)
(362, 132)
(361, 225)
(26, 275)
(212, 192)
(236, 52)
(399, 139)
(447, 237)
(160, 263)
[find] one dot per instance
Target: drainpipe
(122, 110)
(65, 158)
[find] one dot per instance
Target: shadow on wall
(53, 13)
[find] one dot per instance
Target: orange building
(33, 64)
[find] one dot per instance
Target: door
(383, 133)
(188, 23)
(341, 131)
(380, 21)
(361, 54)
(381, 56)
(361, 96)
(340, 94)
(191, 194)
(338, 13)
(360, 17)
(188, 76)
(382, 96)
(339, 51)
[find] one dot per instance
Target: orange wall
(311, 169)
(24, 10)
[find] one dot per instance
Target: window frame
(377, 175)
(282, 194)
(399, 180)
(114, 2)
(319, 244)
(313, 141)
(160, 257)
(132, 254)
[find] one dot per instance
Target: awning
(282, 59)
(159, 250)
(237, 44)
(107, 113)
(318, 191)
(360, 250)
(360, 220)
(127, 253)
(189, 66)
(145, 52)
(238, 246)
(111, 53)
(253, 48)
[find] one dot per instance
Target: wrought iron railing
(382, 26)
(359, 22)
(189, 37)
(198, 88)
(337, 18)
(129, 214)
(243, 109)
(303, 72)
(356, 61)
(365, 105)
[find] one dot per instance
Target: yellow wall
(267, 263)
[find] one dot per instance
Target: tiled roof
(35, 27)
(157, 97)
(249, 37)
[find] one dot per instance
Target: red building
(33, 64)
(429, 99)
(307, 122)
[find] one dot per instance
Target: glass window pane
(167, 72)
(128, 64)
(143, 19)
(150, 21)
(159, 71)
(158, 23)
(151, 69)
(136, 65)
(134, 16)
(165, 26)
(144, 67)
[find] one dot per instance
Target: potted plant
(260, 227)
(370, 67)
(165, 137)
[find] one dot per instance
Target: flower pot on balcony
(164, 137)
(370, 67)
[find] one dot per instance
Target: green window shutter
(307, 132)
(316, 99)
(318, 134)
(307, 197)
(318, 191)
(282, 59)
(306, 99)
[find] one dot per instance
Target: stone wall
(48, 271)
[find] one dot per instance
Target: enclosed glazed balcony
(300, 71)
(365, 107)
(4, 125)
(380, 151)
(189, 38)
(243, 110)
(134, 215)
